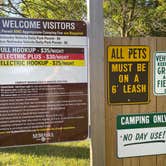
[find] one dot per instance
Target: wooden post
(96, 63)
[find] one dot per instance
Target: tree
(1, 12)
(123, 18)
(133, 17)
(10, 8)
(157, 23)
(54, 9)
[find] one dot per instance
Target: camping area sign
(43, 84)
(141, 134)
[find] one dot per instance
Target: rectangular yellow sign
(128, 54)
(42, 63)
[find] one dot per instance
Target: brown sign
(42, 27)
(45, 113)
(128, 74)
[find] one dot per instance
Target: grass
(61, 154)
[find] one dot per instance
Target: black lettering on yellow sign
(13, 63)
(117, 53)
(128, 71)
(128, 74)
(133, 53)
(42, 62)
(137, 53)
(37, 63)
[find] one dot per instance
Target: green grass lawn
(61, 154)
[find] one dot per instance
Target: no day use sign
(128, 74)
(141, 134)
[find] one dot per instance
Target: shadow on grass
(51, 151)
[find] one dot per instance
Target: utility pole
(96, 65)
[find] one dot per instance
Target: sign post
(96, 56)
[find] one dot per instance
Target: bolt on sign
(141, 134)
(128, 74)
(160, 73)
(43, 84)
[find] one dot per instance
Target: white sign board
(44, 81)
(160, 73)
(141, 134)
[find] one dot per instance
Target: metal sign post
(96, 62)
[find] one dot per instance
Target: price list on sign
(43, 84)
(128, 74)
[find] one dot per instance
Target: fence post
(96, 63)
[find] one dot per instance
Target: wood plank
(161, 100)
(130, 109)
(151, 107)
(161, 160)
(111, 114)
(156, 104)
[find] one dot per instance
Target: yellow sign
(42, 63)
(128, 54)
(128, 74)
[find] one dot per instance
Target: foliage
(2, 14)
(127, 18)
(123, 18)
(54, 9)
(62, 154)
(157, 23)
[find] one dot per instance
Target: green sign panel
(134, 121)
